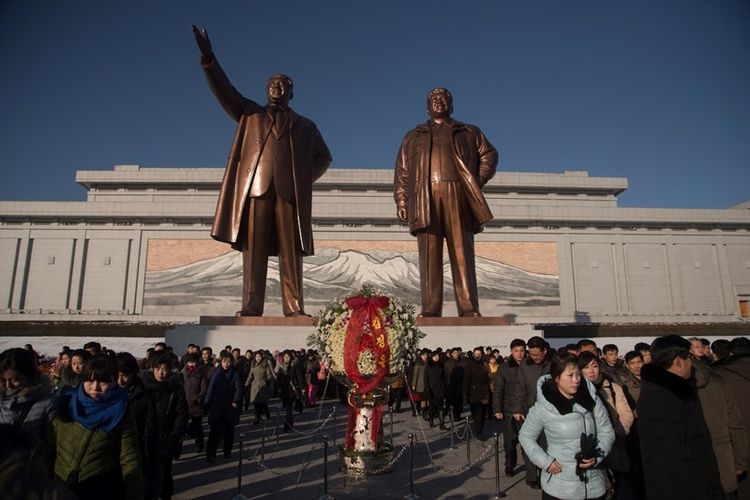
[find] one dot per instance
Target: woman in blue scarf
(93, 446)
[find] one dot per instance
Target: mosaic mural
(204, 277)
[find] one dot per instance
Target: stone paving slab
(294, 462)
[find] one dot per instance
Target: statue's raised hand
(204, 44)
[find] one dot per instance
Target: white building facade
(559, 250)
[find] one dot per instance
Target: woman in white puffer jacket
(567, 407)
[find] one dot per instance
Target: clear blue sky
(652, 90)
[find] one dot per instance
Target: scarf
(104, 413)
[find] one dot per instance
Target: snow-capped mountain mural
(213, 286)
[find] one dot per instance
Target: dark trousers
(477, 414)
(167, 483)
(195, 429)
(456, 403)
(436, 406)
(449, 221)
(260, 410)
(510, 442)
(268, 216)
(220, 430)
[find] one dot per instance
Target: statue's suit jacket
(310, 159)
(474, 157)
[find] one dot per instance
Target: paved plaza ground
(292, 465)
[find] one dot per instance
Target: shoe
(211, 460)
(428, 314)
(247, 312)
(199, 448)
(288, 428)
(298, 314)
(509, 471)
(534, 485)
(227, 454)
(471, 314)
(256, 421)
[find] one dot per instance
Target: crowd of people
(666, 420)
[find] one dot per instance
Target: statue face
(279, 90)
(439, 104)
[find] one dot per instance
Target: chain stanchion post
(453, 446)
(467, 431)
(239, 495)
(411, 495)
(390, 411)
(325, 495)
(498, 492)
(278, 420)
(262, 447)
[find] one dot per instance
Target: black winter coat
(171, 411)
(522, 393)
(224, 388)
(507, 374)
(435, 381)
(476, 382)
(454, 370)
(678, 458)
(144, 411)
(196, 385)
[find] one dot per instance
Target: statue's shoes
(471, 314)
(428, 314)
(298, 314)
(246, 312)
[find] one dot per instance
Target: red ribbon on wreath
(366, 331)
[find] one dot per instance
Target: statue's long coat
(475, 159)
(310, 159)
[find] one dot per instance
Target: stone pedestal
(279, 333)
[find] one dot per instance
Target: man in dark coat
(454, 370)
(508, 374)
(436, 385)
(477, 389)
(224, 402)
(735, 371)
(441, 168)
(265, 201)
(171, 412)
(522, 394)
(195, 380)
(146, 421)
(724, 421)
(678, 458)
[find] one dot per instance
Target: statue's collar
(426, 126)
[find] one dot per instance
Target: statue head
(280, 89)
(440, 103)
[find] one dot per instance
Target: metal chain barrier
(488, 450)
(318, 428)
(294, 471)
(361, 472)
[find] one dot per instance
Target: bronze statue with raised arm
(440, 171)
(265, 201)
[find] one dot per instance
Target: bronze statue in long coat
(265, 202)
(441, 168)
